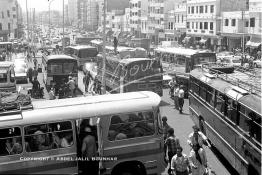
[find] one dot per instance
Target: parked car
(257, 63)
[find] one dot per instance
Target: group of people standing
(178, 93)
(180, 163)
(91, 83)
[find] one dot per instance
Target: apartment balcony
(209, 16)
(156, 4)
(201, 32)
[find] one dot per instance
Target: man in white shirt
(181, 95)
(176, 90)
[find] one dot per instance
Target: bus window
(243, 119)
(220, 102)
(194, 86)
(3, 76)
(254, 125)
(10, 141)
(210, 95)
(203, 92)
(48, 136)
(232, 110)
(125, 126)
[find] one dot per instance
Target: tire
(133, 170)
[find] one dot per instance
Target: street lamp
(50, 18)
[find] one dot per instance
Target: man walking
(181, 95)
(35, 73)
(198, 160)
(71, 84)
(30, 74)
(180, 163)
(176, 91)
(171, 143)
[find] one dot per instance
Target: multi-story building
(138, 10)
(156, 20)
(73, 12)
(9, 11)
(175, 25)
(242, 29)
(66, 13)
(204, 19)
(92, 15)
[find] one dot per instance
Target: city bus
(227, 108)
(127, 128)
(7, 77)
(6, 46)
(57, 69)
(85, 40)
(178, 62)
(83, 54)
(131, 74)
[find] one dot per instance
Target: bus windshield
(146, 69)
(202, 58)
(90, 52)
(61, 68)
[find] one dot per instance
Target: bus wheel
(127, 169)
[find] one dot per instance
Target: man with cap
(71, 84)
(197, 137)
(89, 150)
(181, 95)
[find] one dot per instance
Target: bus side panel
(53, 161)
(220, 134)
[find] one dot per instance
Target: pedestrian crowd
(179, 163)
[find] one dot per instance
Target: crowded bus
(178, 62)
(57, 69)
(7, 77)
(227, 108)
(51, 136)
(131, 74)
(84, 54)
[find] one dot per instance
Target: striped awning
(254, 42)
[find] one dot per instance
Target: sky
(42, 5)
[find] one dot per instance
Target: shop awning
(254, 42)
(203, 41)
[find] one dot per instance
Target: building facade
(9, 12)
(175, 25)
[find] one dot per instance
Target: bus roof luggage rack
(5, 112)
(245, 80)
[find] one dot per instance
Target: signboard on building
(161, 35)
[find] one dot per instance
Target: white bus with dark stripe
(137, 150)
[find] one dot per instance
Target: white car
(257, 63)
(231, 61)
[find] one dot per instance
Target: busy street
(130, 87)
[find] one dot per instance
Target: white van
(7, 77)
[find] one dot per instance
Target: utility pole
(63, 40)
(104, 53)
(27, 22)
(243, 36)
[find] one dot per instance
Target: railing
(252, 83)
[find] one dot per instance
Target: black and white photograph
(130, 87)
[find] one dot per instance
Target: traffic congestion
(74, 104)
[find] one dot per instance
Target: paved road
(182, 125)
